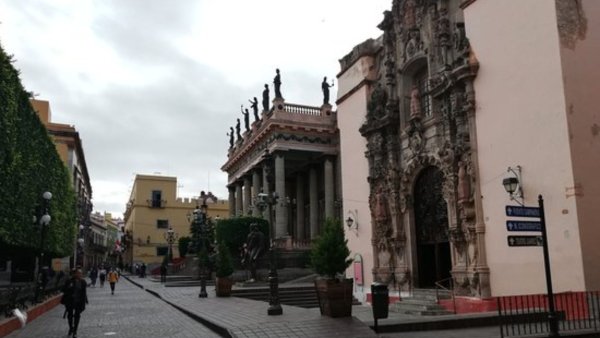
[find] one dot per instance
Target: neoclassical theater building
(301, 145)
(432, 114)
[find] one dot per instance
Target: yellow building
(153, 207)
(70, 149)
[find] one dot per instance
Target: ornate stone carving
(377, 103)
(414, 44)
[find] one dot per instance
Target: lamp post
(44, 221)
(170, 236)
(200, 227)
(264, 200)
(79, 251)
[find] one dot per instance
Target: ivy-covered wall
(30, 165)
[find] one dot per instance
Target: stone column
(247, 196)
(265, 189)
(329, 192)
(300, 207)
(313, 203)
(231, 200)
(255, 186)
(280, 208)
(238, 199)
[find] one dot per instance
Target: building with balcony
(152, 209)
(303, 143)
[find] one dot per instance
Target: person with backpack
(74, 299)
(113, 278)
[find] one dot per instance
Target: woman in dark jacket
(74, 298)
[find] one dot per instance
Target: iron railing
(441, 285)
(528, 314)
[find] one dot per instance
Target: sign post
(552, 320)
(521, 241)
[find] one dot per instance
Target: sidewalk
(239, 317)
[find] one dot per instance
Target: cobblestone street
(135, 312)
(130, 312)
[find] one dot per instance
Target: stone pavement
(133, 312)
(248, 318)
(241, 317)
(129, 313)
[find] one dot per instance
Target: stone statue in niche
(464, 186)
(414, 43)
(381, 208)
(410, 20)
(415, 103)
(460, 39)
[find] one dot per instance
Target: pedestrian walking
(163, 273)
(143, 270)
(102, 274)
(93, 276)
(113, 278)
(74, 299)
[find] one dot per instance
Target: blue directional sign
(523, 226)
(525, 241)
(515, 211)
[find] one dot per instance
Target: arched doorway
(431, 225)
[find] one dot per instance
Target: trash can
(380, 297)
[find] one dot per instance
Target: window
(420, 80)
(162, 223)
(156, 198)
(162, 250)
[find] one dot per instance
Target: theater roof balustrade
(287, 127)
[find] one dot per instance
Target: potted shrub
(224, 271)
(329, 258)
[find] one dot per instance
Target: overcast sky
(153, 86)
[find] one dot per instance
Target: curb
(220, 330)
(8, 325)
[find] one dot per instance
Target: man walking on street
(113, 277)
(74, 299)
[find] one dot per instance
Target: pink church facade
(430, 117)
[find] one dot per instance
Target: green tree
(182, 244)
(329, 253)
(29, 166)
(224, 261)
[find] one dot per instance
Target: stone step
(187, 283)
(431, 294)
(419, 309)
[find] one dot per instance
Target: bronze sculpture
(277, 84)
(254, 106)
(253, 250)
(246, 117)
(325, 87)
(265, 100)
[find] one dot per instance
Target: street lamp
(200, 229)
(262, 201)
(44, 222)
(170, 236)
